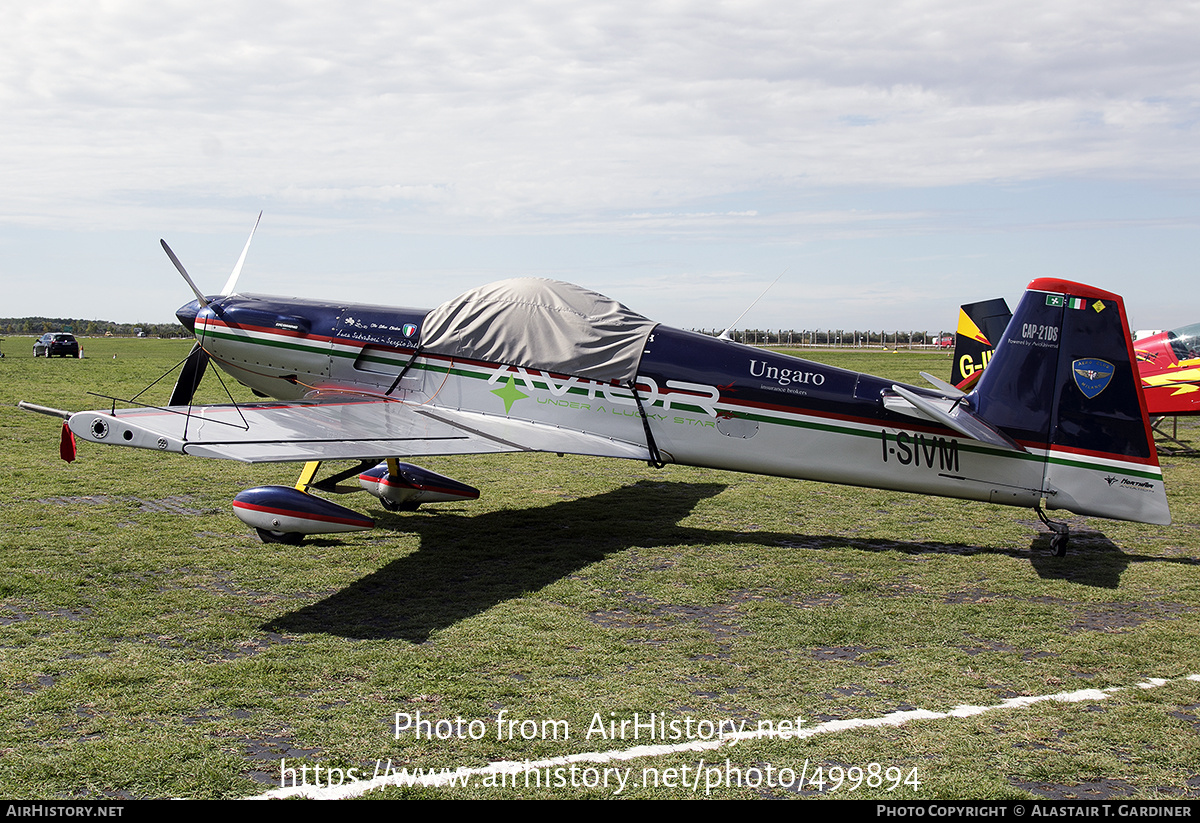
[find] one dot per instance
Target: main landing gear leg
(1062, 533)
(393, 467)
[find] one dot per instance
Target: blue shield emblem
(1092, 375)
(410, 329)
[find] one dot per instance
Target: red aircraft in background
(1169, 365)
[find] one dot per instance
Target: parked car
(56, 344)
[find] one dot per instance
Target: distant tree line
(37, 326)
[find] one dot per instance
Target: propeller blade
(197, 360)
(237, 270)
(189, 376)
(199, 294)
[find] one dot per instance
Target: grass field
(153, 647)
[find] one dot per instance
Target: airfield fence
(839, 338)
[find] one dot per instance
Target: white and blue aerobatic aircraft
(1058, 419)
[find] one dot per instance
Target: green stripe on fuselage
(832, 428)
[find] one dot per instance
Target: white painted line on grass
(464, 776)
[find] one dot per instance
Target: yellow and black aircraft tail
(980, 327)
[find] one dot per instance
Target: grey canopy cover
(541, 324)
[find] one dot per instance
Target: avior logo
(1092, 375)
(677, 394)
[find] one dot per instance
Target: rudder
(1064, 384)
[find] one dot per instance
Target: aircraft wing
(333, 430)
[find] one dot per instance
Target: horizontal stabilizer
(951, 412)
(948, 389)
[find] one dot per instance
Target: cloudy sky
(890, 159)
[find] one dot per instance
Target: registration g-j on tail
(980, 326)
(1057, 420)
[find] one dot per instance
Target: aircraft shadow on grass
(1104, 564)
(468, 564)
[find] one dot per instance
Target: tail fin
(1063, 383)
(980, 326)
